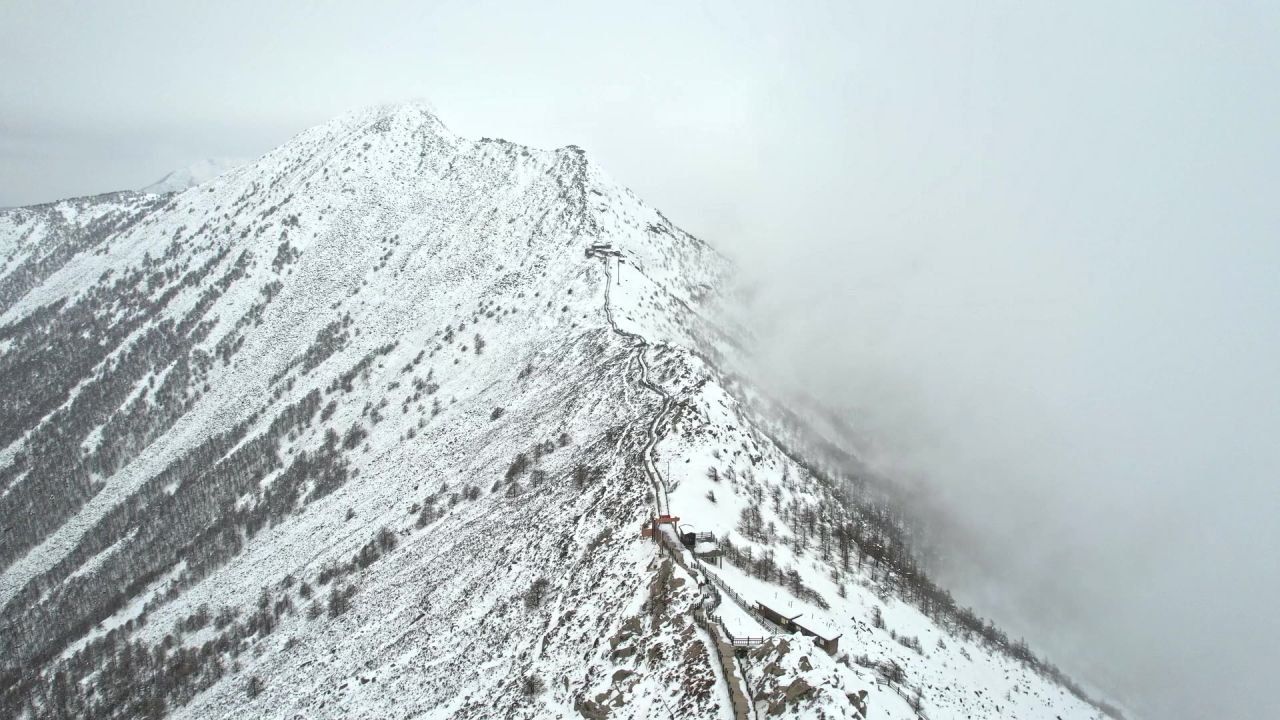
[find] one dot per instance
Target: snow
(411, 229)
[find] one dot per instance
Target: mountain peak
(197, 173)
(409, 117)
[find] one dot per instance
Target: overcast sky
(1034, 249)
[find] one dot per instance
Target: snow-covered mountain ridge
(371, 427)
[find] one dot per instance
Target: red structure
(652, 530)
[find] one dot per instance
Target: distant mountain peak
(197, 173)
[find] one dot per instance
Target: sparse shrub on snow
(386, 539)
(354, 435)
(537, 593)
(517, 467)
(340, 600)
(531, 685)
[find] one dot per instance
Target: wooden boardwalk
(740, 702)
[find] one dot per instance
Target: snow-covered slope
(197, 173)
(372, 426)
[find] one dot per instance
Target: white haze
(1033, 249)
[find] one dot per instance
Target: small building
(823, 638)
(691, 539)
(786, 622)
(602, 250)
(703, 545)
(822, 635)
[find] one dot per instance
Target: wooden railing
(740, 640)
(911, 701)
(742, 602)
